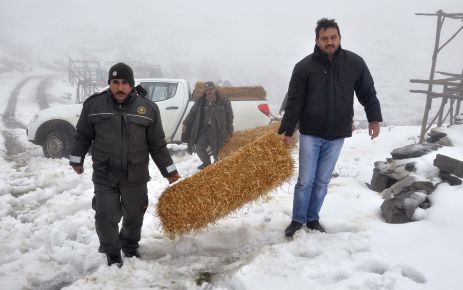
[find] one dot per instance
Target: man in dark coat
(320, 99)
(209, 123)
(123, 128)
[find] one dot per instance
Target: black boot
(293, 227)
(315, 225)
(129, 253)
(114, 258)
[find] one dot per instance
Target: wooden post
(431, 77)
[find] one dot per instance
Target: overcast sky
(245, 42)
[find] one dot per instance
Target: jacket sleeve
(296, 93)
(229, 115)
(366, 94)
(158, 147)
(192, 114)
(83, 138)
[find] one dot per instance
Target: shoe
(129, 253)
(315, 225)
(202, 166)
(114, 259)
(293, 227)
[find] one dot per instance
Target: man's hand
(288, 140)
(79, 169)
(373, 129)
(173, 178)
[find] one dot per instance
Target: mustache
(120, 93)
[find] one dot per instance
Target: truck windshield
(159, 91)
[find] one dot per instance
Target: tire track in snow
(9, 118)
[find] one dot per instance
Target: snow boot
(315, 225)
(293, 227)
(129, 253)
(114, 258)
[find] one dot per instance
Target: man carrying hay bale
(123, 128)
(208, 124)
(320, 98)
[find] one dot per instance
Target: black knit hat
(121, 71)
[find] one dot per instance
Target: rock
(449, 178)
(381, 180)
(410, 167)
(413, 151)
(398, 187)
(425, 186)
(449, 165)
(435, 135)
(397, 170)
(401, 208)
(426, 204)
(445, 141)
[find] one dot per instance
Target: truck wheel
(57, 144)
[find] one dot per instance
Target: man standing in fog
(321, 98)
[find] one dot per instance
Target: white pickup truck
(54, 128)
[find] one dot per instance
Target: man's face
(120, 89)
(210, 92)
(328, 40)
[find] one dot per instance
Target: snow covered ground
(48, 239)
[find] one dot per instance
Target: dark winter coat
(221, 115)
(321, 95)
(122, 136)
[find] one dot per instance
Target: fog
(244, 42)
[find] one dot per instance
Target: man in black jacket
(320, 98)
(123, 128)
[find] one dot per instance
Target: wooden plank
(445, 82)
(458, 76)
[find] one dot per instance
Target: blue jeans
(317, 158)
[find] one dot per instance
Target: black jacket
(221, 116)
(122, 136)
(321, 95)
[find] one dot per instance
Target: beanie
(121, 71)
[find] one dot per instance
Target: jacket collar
(323, 57)
(127, 101)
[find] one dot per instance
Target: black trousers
(125, 201)
(207, 137)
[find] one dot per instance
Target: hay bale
(224, 187)
(242, 138)
(233, 93)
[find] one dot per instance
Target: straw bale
(242, 138)
(233, 93)
(225, 186)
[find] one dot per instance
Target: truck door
(170, 98)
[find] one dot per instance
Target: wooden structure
(451, 94)
(87, 76)
(90, 77)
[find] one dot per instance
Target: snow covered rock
(400, 209)
(413, 151)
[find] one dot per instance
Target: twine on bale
(224, 187)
